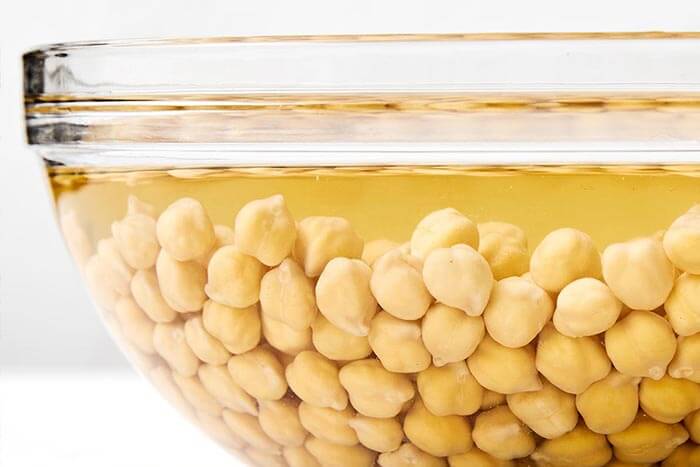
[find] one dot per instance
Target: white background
(66, 395)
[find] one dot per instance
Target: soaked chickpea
(438, 436)
(397, 284)
(450, 390)
(683, 305)
(329, 424)
(215, 427)
(492, 399)
(549, 412)
(475, 457)
(504, 246)
(397, 343)
(218, 381)
(135, 237)
(299, 457)
(207, 348)
(233, 278)
(287, 295)
(586, 307)
(449, 334)
(375, 249)
(181, 283)
(146, 292)
(686, 455)
(377, 434)
(692, 424)
(337, 455)
(610, 405)
(647, 440)
(284, 338)
(102, 281)
(280, 421)
(248, 428)
(238, 329)
(503, 369)
(184, 230)
(320, 239)
(443, 229)
(682, 241)
(314, 379)
(265, 458)
(499, 433)
(76, 238)
(170, 343)
(578, 448)
(197, 395)
(669, 400)
(409, 455)
(686, 361)
(259, 373)
(135, 325)
(336, 344)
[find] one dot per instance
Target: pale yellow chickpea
(205, 346)
(284, 338)
(475, 457)
(549, 412)
(571, 363)
(135, 236)
(238, 329)
(397, 284)
(692, 424)
(162, 379)
(320, 239)
(504, 246)
(170, 343)
(686, 361)
(137, 206)
(265, 229)
(118, 274)
(377, 434)
(517, 311)
(641, 344)
(259, 373)
(639, 273)
(314, 379)
(586, 307)
(492, 399)
(146, 292)
(184, 230)
(647, 440)
(611, 404)
(223, 235)
(450, 390)
(287, 295)
(683, 305)
(233, 278)
(102, 281)
(563, 256)
(686, 455)
(499, 433)
(682, 241)
(135, 325)
(578, 448)
(328, 424)
(215, 427)
(280, 421)
(442, 229)
(669, 400)
(397, 343)
(336, 455)
(336, 344)
(181, 283)
(344, 297)
(248, 428)
(459, 277)
(299, 457)
(218, 382)
(374, 249)
(265, 458)
(76, 238)
(407, 456)
(197, 395)
(449, 334)
(503, 369)
(374, 391)
(438, 436)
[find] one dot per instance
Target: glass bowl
(393, 250)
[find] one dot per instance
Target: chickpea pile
(294, 343)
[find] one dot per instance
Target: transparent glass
(393, 250)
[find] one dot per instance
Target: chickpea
(571, 363)
(376, 248)
(563, 256)
(280, 421)
(337, 455)
(259, 373)
(499, 433)
(450, 390)
(443, 229)
(397, 284)
(203, 344)
(234, 277)
(287, 295)
(238, 329)
(548, 412)
(682, 239)
(283, 338)
(170, 343)
(685, 455)
(218, 382)
(586, 307)
(408, 455)
(578, 448)
(610, 405)
(328, 424)
(517, 311)
(135, 325)
(692, 424)
(77, 240)
(641, 344)
(184, 230)
(248, 428)
(135, 237)
(314, 379)
(161, 377)
(492, 399)
(639, 273)
(121, 273)
(377, 434)
(504, 246)
(647, 440)
(265, 458)
(146, 292)
(223, 235)
(320, 239)
(669, 400)
(299, 457)
(196, 395)
(344, 297)
(449, 334)
(438, 436)
(181, 283)
(683, 305)
(265, 229)
(503, 369)
(136, 206)
(374, 391)
(397, 344)
(215, 427)
(100, 280)
(478, 458)
(336, 344)
(686, 362)
(459, 277)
